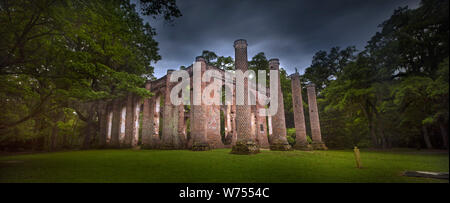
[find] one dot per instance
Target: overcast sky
(291, 30)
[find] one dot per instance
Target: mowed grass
(219, 166)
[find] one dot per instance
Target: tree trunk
(444, 134)
(426, 137)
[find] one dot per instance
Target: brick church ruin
(164, 125)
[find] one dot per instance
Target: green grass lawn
(219, 166)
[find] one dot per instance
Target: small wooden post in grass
(357, 157)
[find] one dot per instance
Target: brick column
(130, 128)
(115, 126)
(301, 143)
(261, 128)
(233, 120)
(244, 143)
(181, 130)
(170, 138)
(103, 119)
(314, 119)
(212, 111)
(122, 124)
(198, 119)
(278, 139)
(147, 121)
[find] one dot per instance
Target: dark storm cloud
(290, 30)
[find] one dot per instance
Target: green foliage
(58, 55)
(387, 94)
(291, 134)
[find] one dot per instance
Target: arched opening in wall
(187, 122)
(223, 109)
(253, 124)
(222, 124)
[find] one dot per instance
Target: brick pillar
(314, 119)
(109, 124)
(233, 120)
(103, 119)
(228, 125)
(150, 137)
(261, 128)
(244, 143)
(213, 126)
(170, 138)
(278, 138)
(198, 119)
(301, 143)
(115, 126)
(147, 121)
(212, 111)
(130, 128)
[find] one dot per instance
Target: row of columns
(119, 122)
(301, 142)
(245, 130)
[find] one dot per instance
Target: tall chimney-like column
(198, 119)
(278, 139)
(245, 144)
(301, 143)
(314, 119)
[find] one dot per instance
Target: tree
(209, 56)
(64, 54)
(326, 66)
(398, 85)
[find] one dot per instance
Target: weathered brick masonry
(301, 142)
(245, 131)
